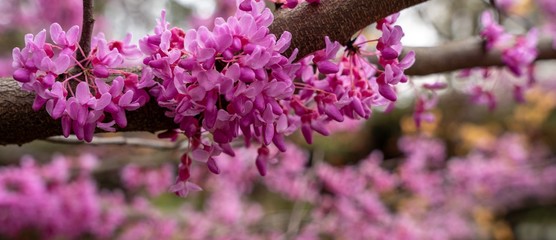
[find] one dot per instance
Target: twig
(299, 209)
(135, 142)
(464, 54)
(296, 217)
(86, 29)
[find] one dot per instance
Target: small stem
(81, 53)
(87, 29)
(72, 77)
(365, 42)
(309, 87)
(79, 64)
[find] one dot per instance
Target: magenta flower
(493, 33)
(43, 68)
(63, 39)
(483, 97)
(388, 21)
(422, 113)
(389, 44)
(523, 53)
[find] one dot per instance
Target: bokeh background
(469, 173)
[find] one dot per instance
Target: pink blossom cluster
(63, 84)
(154, 181)
(218, 85)
(49, 200)
(146, 221)
(422, 109)
(223, 81)
(31, 16)
(426, 100)
(233, 81)
(389, 48)
(60, 200)
(39, 13)
(517, 56)
(427, 195)
(331, 91)
(227, 211)
(440, 194)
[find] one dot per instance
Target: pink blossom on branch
(218, 85)
(46, 69)
(492, 32)
(518, 54)
(523, 53)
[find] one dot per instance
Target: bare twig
(136, 142)
(464, 54)
(86, 29)
(299, 209)
(296, 217)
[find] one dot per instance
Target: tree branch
(338, 19)
(20, 124)
(124, 141)
(462, 55)
(308, 24)
(86, 29)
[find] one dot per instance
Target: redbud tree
(256, 76)
(236, 86)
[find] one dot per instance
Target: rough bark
(20, 124)
(86, 29)
(338, 19)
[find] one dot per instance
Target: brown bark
(20, 124)
(464, 54)
(86, 29)
(308, 24)
(338, 19)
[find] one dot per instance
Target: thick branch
(86, 29)
(308, 24)
(20, 124)
(464, 54)
(338, 19)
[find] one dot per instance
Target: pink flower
(493, 33)
(422, 107)
(388, 21)
(523, 53)
(63, 39)
(43, 68)
(389, 44)
(183, 188)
